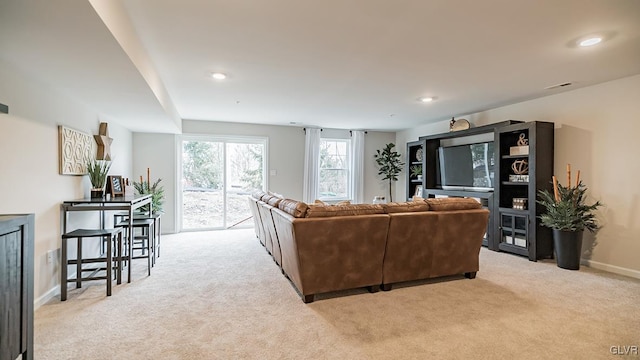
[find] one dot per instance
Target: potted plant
(568, 215)
(156, 191)
(97, 170)
(416, 171)
(389, 164)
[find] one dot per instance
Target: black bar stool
(103, 235)
(143, 242)
(156, 216)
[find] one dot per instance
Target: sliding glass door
(217, 175)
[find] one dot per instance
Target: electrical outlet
(51, 256)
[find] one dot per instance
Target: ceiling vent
(558, 86)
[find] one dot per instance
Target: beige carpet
(219, 295)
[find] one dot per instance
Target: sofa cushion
(320, 202)
(258, 194)
(450, 204)
(342, 210)
(294, 208)
(409, 206)
(274, 201)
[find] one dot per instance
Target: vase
(568, 246)
(379, 200)
(97, 193)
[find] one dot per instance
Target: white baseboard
(612, 268)
(53, 292)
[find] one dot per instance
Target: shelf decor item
(520, 203)
(416, 171)
(522, 146)
(460, 124)
(419, 154)
(520, 168)
(389, 164)
(97, 170)
(568, 215)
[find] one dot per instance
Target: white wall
(596, 132)
(157, 152)
(29, 181)
(286, 156)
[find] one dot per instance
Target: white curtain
(311, 165)
(357, 166)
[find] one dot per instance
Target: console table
(127, 203)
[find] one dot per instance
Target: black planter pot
(568, 245)
(97, 193)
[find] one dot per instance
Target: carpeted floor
(219, 295)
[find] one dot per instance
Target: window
(335, 173)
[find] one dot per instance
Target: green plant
(566, 208)
(156, 191)
(97, 170)
(389, 164)
(416, 170)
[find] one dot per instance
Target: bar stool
(143, 242)
(156, 216)
(103, 235)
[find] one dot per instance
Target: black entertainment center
(479, 163)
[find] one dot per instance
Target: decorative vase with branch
(97, 170)
(567, 213)
(389, 165)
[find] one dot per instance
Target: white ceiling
(359, 64)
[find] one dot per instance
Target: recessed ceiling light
(218, 76)
(426, 99)
(590, 41)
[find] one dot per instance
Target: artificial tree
(389, 164)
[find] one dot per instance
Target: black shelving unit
(518, 230)
(431, 175)
(511, 229)
(415, 157)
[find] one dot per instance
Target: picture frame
(115, 186)
(418, 191)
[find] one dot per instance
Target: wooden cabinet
(415, 160)
(16, 286)
(519, 230)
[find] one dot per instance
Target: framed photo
(418, 191)
(115, 185)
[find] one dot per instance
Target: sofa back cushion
(343, 210)
(409, 206)
(274, 201)
(450, 204)
(294, 208)
(258, 194)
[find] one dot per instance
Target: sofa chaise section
(333, 252)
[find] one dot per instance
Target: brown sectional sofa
(329, 248)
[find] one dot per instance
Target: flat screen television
(467, 167)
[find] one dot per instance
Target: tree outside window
(334, 172)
